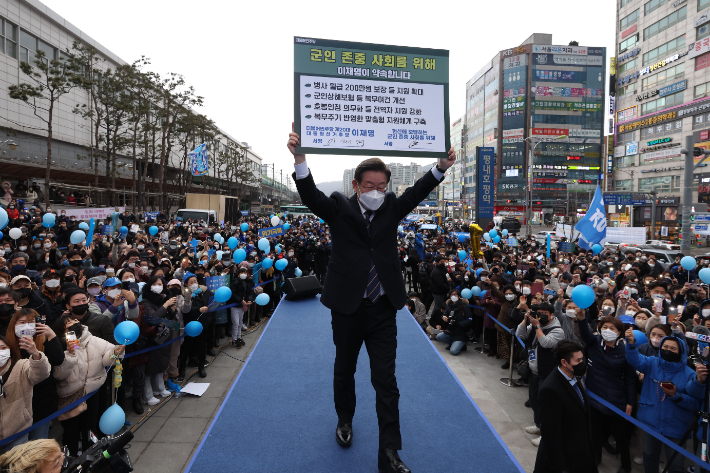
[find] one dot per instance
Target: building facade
(662, 95)
(541, 107)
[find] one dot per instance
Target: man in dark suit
(566, 444)
(364, 287)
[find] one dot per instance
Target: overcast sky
(239, 55)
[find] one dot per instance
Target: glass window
(663, 76)
(50, 52)
(701, 62)
(702, 31)
(627, 66)
(625, 2)
(703, 4)
(627, 137)
(624, 185)
(661, 103)
(8, 38)
(664, 50)
(28, 41)
(628, 42)
(629, 19)
(660, 184)
(664, 23)
(626, 161)
(701, 90)
(652, 5)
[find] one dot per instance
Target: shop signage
(577, 132)
(628, 78)
(702, 19)
(624, 199)
(658, 141)
(518, 50)
(670, 89)
(677, 2)
(629, 55)
(627, 32)
(626, 114)
(673, 168)
(612, 103)
(632, 148)
(569, 106)
(550, 132)
(663, 154)
(663, 63)
(704, 134)
(646, 95)
(578, 50)
(659, 147)
(700, 47)
(619, 151)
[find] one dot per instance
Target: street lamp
(528, 193)
(10, 144)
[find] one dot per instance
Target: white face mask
(526, 290)
(609, 335)
(706, 312)
(156, 289)
(4, 356)
(52, 283)
(140, 247)
(517, 287)
(131, 265)
(563, 285)
(656, 342)
(608, 309)
(631, 313)
(144, 268)
(290, 255)
(454, 299)
(114, 293)
(243, 276)
(48, 245)
(570, 313)
(508, 297)
(372, 200)
(129, 280)
(651, 264)
(22, 330)
(23, 248)
(194, 287)
(3, 284)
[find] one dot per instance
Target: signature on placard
(345, 143)
(416, 144)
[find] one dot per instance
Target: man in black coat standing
(364, 287)
(566, 444)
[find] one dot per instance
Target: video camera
(105, 456)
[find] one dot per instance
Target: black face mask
(75, 263)
(544, 319)
(77, 329)
(6, 310)
(80, 309)
(670, 356)
(24, 292)
(580, 369)
(174, 292)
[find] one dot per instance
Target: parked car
(511, 224)
(664, 243)
(663, 255)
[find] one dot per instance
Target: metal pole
(483, 335)
(687, 194)
(528, 193)
(509, 380)
(653, 216)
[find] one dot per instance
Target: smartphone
(589, 280)
(39, 319)
(672, 314)
(625, 293)
(536, 288)
(694, 286)
(658, 304)
(126, 285)
(72, 343)
(549, 292)
(667, 384)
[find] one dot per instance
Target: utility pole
(690, 153)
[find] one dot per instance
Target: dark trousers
(193, 346)
(534, 384)
(376, 325)
(602, 426)
(77, 428)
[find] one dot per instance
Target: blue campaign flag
(592, 227)
(548, 246)
(198, 160)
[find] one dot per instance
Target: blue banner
(107, 230)
(215, 282)
(484, 189)
(670, 89)
(198, 160)
(245, 212)
(592, 227)
(271, 231)
(149, 215)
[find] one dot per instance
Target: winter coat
(36, 302)
(99, 325)
(16, 404)
(609, 375)
(505, 308)
(55, 303)
(542, 362)
(84, 367)
(159, 359)
(457, 312)
(102, 306)
(44, 397)
(242, 291)
(437, 280)
(419, 245)
(669, 416)
(419, 312)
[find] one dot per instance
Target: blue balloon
(77, 237)
(583, 296)
(298, 272)
(320, 220)
(222, 294)
(462, 237)
(123, 230)
(487, 236)
(90, 236)
(264, 245)
(232, 243)
(277, 249)
(704, 274)
(244, 226)
(84, 226)
(467, 293)
(153, 230)
(493, 233)
(281, 264)
(688, 262)
(126, 332)
(505, 232)
(47, 218)
(49, 224)
(220, 253)
(262, 299)
(193, 329)
(217, 237)
(285, 212)
(239, 256)
(596, 248)
(640, 337)
(287, 226)
(496, 239)
(400, 228)
(267, 263)
(478, 272)
(462, 255)
(1, 235)
(112, 420)
(476, 291)
(4, 218)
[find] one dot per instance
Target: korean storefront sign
(359, 98)
(572, 106)
(485, 190)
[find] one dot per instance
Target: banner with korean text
(485, 191)
(371, 99)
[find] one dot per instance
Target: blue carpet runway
(279, 414)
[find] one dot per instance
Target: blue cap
(627, 319)
(187, 276)
(110, 282)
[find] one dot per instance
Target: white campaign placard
(98, 213)
(342, 113)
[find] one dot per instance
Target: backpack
(423, 272)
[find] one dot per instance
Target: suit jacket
(565, 423)
(353, 250)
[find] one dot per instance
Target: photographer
(36, 456)
(456, 315)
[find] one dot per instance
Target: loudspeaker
(299, 288)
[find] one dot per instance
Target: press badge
(531, 355)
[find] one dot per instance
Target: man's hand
(630, 338)
(702, 372)
(293, 141)
(629, 408)
(445, 163)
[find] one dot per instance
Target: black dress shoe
(388, 461)
(202, 372)
(344, 434)
(211, 352)
(137, 406)
(448, 347)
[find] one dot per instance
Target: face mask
(48, 245)
(114, 293)
(140, 247)
(656, 342)
(658, 296)
(6, 310)
(454, 299)
(544, 319)
(526, 290)
(36, 246)
(23, 248)
(670, 356)
(580, 369)
(18, 268)
(652, 264)
(156, 289)
(251, 265)
(194, 287)
(4, 356)
(110, 273)
(129, 280)
(77, 329)
(706, 312)
(3, 284)
(508, 297)
(372, 200)
(25, 330)
(75, 263)
(634, 292)
(517, 287)
(144, 268)
(570, 313)
(609, 335)
(7, 250)
(52, 283)
(290, 255)
(563, 285)
(609, 309)
(80, 309)
(24, 292)
(243, 276)
(131, 265)
(94, 291)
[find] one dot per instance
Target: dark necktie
(579, 391)
(373, 285)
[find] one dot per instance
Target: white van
(196, 215)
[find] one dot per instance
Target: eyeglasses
(368, 188)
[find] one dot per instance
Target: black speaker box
(299, 288)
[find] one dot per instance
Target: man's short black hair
(656, 284)
(371, 164)
(565, 349)
(71, 293)
(545, 306)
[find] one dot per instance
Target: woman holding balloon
(242, 287)
(196, 304)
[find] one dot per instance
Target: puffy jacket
(458, 313)
(609, 375)
(419, 245)
(85, 366)
(437, 280)
(669, 416)
(44, 397)
(16, 404)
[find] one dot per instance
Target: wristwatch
(442, 171)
